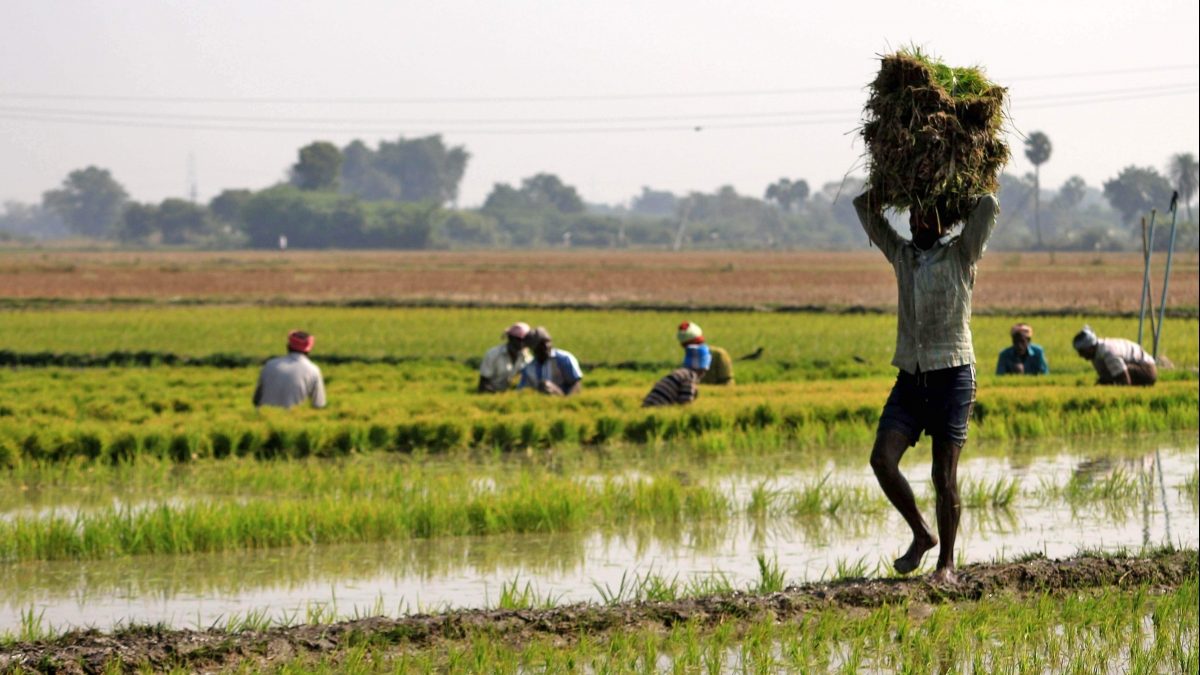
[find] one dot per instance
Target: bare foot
(943, 576)
(911, 559)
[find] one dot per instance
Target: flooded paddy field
(151, 518)
(797, 516)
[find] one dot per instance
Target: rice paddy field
(152, 519)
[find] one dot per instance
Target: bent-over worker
(681, 386)
(1116, 360)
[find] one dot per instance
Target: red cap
(299, 341)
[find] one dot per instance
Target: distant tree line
(402, 194)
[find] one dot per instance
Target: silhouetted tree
(787, 193)
(180, 220)
(227, 206)
(31, 220)
(417, 170)
(1136, 190)
(137, 222)
(1037, 151)
(1184, 172)
(543, 191)
(319, 167)
(1071, 193)
(654, 203)
(89, 201)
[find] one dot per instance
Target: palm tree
(1184, 172)
(1037, 150)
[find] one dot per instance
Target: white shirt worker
(286, 381)
(499, 368)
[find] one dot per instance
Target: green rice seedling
(1191, 485)
(770, 576)
(251, 620)
(715, 583)
(9, 455)
(933, 134)
(763, 500)
(515, 596)
(996, 494)
(851, 569)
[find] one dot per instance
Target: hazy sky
(605, 93)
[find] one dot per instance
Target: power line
(545, 98)
(733, 119)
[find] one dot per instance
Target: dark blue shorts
(938, 403)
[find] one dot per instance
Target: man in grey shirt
(289, 380)
(935, 389)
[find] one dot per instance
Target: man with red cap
(505, 361)
(286, 381)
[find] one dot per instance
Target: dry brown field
(1105, 282)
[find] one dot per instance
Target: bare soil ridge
(90, 651)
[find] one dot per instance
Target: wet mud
(158, 648)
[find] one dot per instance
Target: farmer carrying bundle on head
(1023, 357)
(290, 380)
(552, 371)
(1116, 360)
(936, 152)
(681, 386)
(504, 362)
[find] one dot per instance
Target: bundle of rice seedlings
(933, 135)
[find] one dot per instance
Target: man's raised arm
(878, 230)
(978, 228)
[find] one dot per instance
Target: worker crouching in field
(552, 371)
(935, 389)
(1116, 360)
(721, 372)
(682, 385)
(1023, 357)
(502, 363)
(290, 380)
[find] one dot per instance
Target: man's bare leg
(890, 446)
(949, 507)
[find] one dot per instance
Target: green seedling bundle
(933, 135)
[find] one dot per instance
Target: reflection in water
(469, 571)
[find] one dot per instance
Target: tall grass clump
(933, 134)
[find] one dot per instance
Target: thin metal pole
(1147, 244)
(1162, 303)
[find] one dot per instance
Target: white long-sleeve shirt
(290, 380)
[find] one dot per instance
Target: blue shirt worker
(553, 371)
(1023, 357)
(935, 388)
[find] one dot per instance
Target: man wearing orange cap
(286, 381)
(502, 363)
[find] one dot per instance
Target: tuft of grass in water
(996, 494)
(845, 569)
(1191, 486)
(770, 576)
(1118, 486)
(515, 596)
